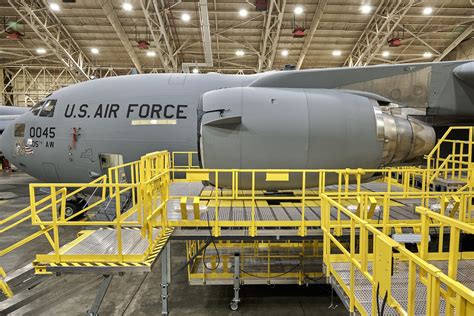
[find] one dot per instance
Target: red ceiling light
(15, 36)
(143, 44)
(261, 5)
(298, 32)
(394, 42)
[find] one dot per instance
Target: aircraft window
(19, 130)
(48, 108)
(37, 107)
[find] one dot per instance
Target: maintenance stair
(93, 250)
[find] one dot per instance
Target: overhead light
(240, 52)
(150, 53)
(94, 50)
(92, 77)
(54, 6)
(127, 6)
(386, 53)
(243, 13)
(185, 17)
(284, 53)
(427, 54)
(298, 10)
(41, 50)
(365, 9)
(336, 52)
(427, 10)
(195, 71)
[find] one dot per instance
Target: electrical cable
(215, 247)
(385, 297)
(377, 296)
(135, 293)
(193, 257)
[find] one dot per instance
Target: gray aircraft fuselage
(127, 115)
(137, 114)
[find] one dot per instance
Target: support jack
(234, 304)
(104, 286)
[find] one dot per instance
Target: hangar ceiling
(86, 39)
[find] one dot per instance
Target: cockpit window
(19, 130)
(37, 107)
(48, 108)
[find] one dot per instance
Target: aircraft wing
(444, 89)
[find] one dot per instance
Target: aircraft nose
(6, 142)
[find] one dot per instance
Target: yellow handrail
(456, 295)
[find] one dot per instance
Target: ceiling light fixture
(427, 54)
(185, 17)
(243, 13)
(54, 6)
(94, 50)
(150, 53)
(284, 53)
(127, 6)
(298, 10)
(427, 10)
(365, 9)
(336, 52)
(240, 52)
(195, 71)
(386, 53)
(41, 50)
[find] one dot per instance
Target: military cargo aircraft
(318, 118)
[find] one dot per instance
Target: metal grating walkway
(363, 289)
(104, 242)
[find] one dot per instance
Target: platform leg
(234, 304)
(104, 286)
(165, 277)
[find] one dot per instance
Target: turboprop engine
(269, 128)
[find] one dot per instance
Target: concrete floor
(139, 294)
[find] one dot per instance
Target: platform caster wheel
(234, 306)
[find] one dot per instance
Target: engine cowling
(269, 128)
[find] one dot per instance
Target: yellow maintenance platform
(390, 246)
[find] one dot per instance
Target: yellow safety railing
(258, 260)
(452, 157)
(347, 188)
(147, 187)
(184, 160)
(145, 181)
(371, 256)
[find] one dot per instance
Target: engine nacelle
(269, 128)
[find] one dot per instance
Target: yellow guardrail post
(352, 268)
(54, 210)
(3, 284)
(216, 231)
(184, 207)
(118, 226)
(253, 229)
(302, 230)
(196, 208)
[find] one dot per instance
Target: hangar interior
(161, 233)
